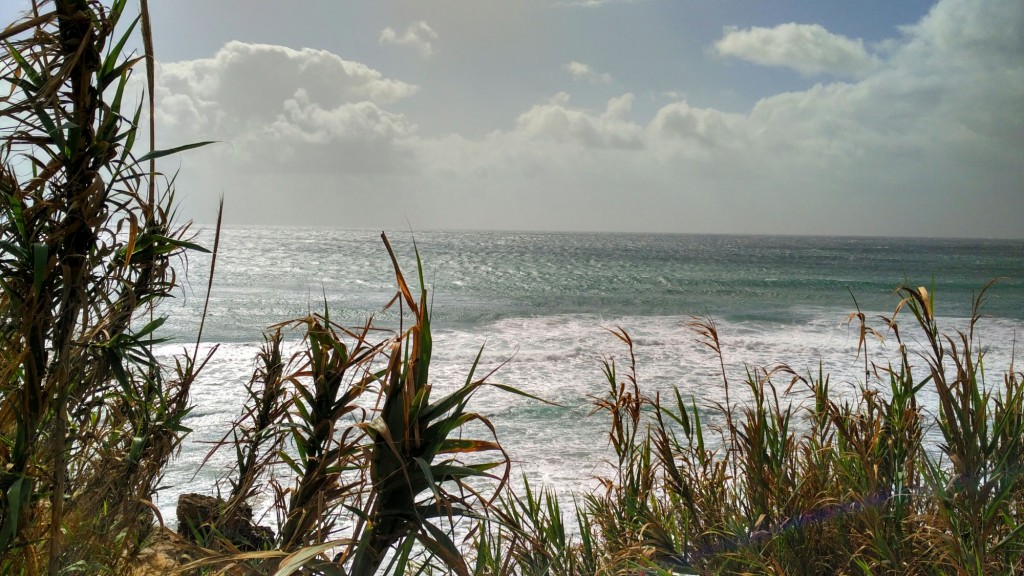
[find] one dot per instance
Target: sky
(799, 117)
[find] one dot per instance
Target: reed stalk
(86, 256)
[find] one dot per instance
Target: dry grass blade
(403, 287)
(23, 26)
(147, 43)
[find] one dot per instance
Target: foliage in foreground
(88, 417)
(795, 481)
(826, 486)
(382, 470)
(384, 476)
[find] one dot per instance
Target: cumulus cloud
(276, 106)
(929, 127)
(557, 121)
(703, 130)
(581, 72)
(960, 32)
(807, 48)
(418, 35)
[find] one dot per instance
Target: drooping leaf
(169, 151)
(296, 560)
(441, 545)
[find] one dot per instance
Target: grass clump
(811, 485)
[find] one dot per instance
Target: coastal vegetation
(88, 417)
(367, 468)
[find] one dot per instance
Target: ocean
(542, 307)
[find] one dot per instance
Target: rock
(202, 518)
(160, 557)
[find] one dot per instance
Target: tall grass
(384, 476)
(799, 481)
(88, 417)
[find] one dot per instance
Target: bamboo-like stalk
(84, 399)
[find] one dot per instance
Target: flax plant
(255, 437)
(979, 495)
(528, 534)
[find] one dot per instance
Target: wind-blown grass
(384, 476)
(88, 417)
(825, 486)
(382, 471)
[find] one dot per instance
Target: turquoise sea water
(540, 305)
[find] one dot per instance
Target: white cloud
(560, 99)
(700, 131)
(959, 32)
(258, 77)
(808, 48)
(558, 122)
(418, 35)
(925, 139)
(581, 72)
(278, 107)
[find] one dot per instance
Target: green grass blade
(169, 151)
